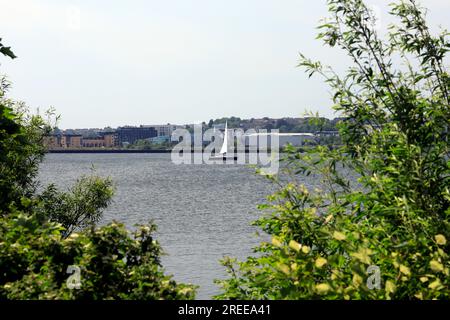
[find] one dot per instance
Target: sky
(113, 63)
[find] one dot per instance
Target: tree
(390, 222)
(20, 145)
(79, 208)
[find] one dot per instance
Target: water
(203, 212)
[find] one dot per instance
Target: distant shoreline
(128, 151)
(107, 151)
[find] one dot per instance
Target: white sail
(224, 148)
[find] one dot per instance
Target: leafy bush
(21, 149)
(35, 260)
(379, 228)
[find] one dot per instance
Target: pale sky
(111, 63)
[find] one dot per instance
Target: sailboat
(223, 154)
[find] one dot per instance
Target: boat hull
(224, 157)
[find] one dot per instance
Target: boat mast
(224, 148)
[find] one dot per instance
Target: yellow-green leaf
(276, 242)
(419, 296)
(322, 288)
(339, 236)
(440, 239)
(390, 287)
(283, 268)
(363, 255)
(435, 285)
(436, 266)
(295, 245)
(405, 270)
(357, 280)
(306, 249)
(423, 279)
(320, 262)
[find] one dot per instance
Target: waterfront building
(130, 135)
(110, 139)
(164, 130)
(94, 142)
(295, 139)
(71, 141)
(77, 141)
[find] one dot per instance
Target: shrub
(387, 235)
(37, 262)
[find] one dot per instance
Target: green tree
(393, 215)
(21, 148)
(79, 208)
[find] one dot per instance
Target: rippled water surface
(203, 212)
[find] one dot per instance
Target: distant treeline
(284, 125)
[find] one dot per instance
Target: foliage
(233, 122)
(81, 207)
(34, 261)
(6, 51)
(385, 200)
(145, 144)
(285, 125)
(21, 148)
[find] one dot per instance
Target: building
(77, 141)
(164, 130)
(71, 141)
(132, 134)
(104, 139)
(94, 142)
(295, 139)
(110, 139)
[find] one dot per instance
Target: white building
(295, 139)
